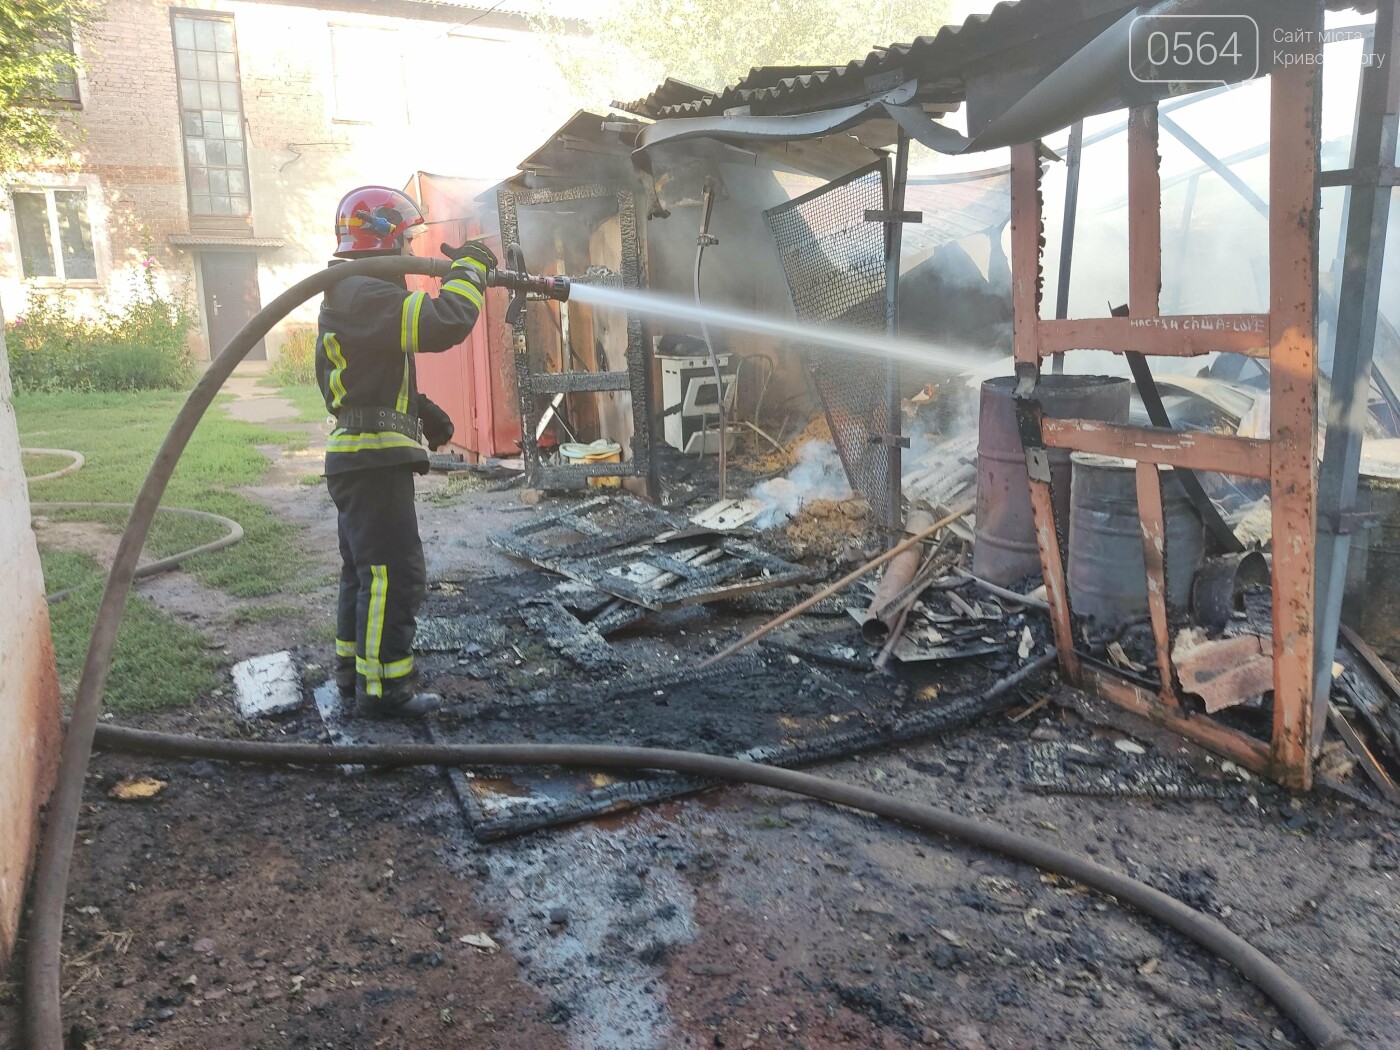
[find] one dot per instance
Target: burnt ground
(328, 909)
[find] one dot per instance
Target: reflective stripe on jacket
(368, 333)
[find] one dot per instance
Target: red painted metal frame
(1286, 336)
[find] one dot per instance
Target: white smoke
(817, 475)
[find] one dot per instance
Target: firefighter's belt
(377, 419)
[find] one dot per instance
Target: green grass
(159, 662)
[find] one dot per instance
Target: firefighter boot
(401, 700)
(345, 676)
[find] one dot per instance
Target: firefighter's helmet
(374, 219)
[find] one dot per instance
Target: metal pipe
(1358, 302)
(44, 1017)
(1073, 157)
(1004, 592)
(894, 246)
(1317, 1025)
(885, 610)
(702, 241)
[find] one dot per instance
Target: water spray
(797, 336)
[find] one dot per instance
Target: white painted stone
(266, 685)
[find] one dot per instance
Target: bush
(296, 361)
(139, 345)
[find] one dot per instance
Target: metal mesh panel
(834, 261)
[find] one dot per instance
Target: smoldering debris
(818, 475)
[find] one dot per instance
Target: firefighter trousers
(383, 578)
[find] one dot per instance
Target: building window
(64, 87)
(45, 218)
(368, 70)
(211, 106)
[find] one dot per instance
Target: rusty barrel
(1107, 574)
(1005, 550)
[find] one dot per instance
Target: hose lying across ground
(1291, 997)
(43, 1011)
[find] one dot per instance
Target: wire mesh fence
(834, 262)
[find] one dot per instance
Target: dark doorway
(230, 298)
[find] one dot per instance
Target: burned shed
(1024, 73)
(789, 194)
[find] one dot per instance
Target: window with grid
(216, 164)
(64, 86)
(55, 238)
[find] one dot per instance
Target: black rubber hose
(1290, 997)
(43, 1011)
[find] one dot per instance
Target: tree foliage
(712, 43)
(33, 55)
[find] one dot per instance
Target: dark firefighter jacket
(369, 332)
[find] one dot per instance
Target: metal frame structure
(636, 380)
(1370, 182)
(1285, 336)
(865, 423)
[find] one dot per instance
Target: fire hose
(43, 1010)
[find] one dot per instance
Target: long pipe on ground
(44, 1016)
(1290, 997)
(884, 611)
(43, 1008)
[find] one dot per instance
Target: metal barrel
(1371, 598)
(1005, 550)
(1107, 574)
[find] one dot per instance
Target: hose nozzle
(543, 285)
(522, 284)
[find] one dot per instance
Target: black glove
(437, 424)
(474, 250)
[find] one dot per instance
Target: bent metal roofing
(942, 57)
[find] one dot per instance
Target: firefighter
(369, 332)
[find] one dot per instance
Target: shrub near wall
(296, 360)
(140, 344)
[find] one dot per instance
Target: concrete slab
(266, 685)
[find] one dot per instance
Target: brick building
(218, 135)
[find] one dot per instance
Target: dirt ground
(245, 908)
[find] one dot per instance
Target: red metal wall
(474, 382)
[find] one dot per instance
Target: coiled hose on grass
(234, 534)
(67, 468)
(43, 1010)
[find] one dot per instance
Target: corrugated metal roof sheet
(670, 92)
(584, 128)
(943, 55)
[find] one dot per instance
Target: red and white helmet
(374, 219)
